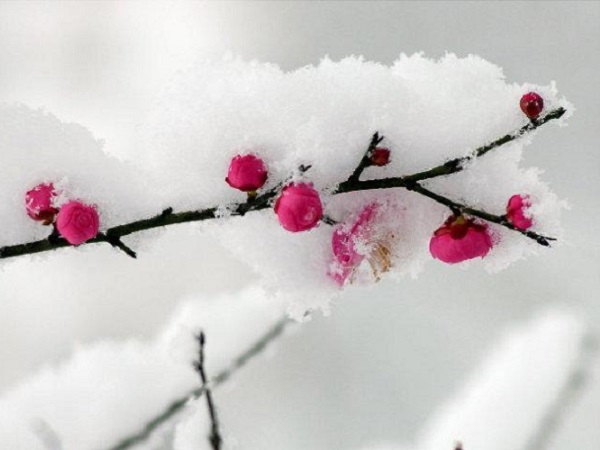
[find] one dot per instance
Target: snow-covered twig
(215, 436)
(457, 208)
(168, 217)
(177, 405)
(573, 386)
(366, 159)
(457, 164)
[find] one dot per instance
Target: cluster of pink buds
(461, 239)
(298, 206)
(76, 222)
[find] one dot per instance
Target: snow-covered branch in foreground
(434, 115)
(110, 391)
(506, 403)
(40, 200)
(119, 394)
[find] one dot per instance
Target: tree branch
(457, 164)
(177, 405)
(456, 207)
(366, 159)
(264, 201)
(215, 436)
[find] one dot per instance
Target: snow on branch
(342, 172)
(259, 202)
(176, 406)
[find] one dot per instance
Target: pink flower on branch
(460, 239)
(77, 222)
(516, 211)
(39, 203)
(299, 207)
(356, 241)
(247, 173)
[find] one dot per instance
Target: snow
(107, 390)
(322, 115)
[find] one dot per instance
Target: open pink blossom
(39, 203)
(77, 222)
(299, 207)
(246, 173)
(346, 243)
(516, 211)
(460, 239)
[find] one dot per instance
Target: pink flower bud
(39, 203)
(460, 239)
(515, 211)
(532, 105)
(246, 173)
(380, 156)
(346, 242)
(299, 207)
(77, 222)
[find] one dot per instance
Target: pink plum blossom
(77, 222)
(516, 211)
(346, 242)
(39, 203)
(246, 173)
(299, 207)
(460, 239)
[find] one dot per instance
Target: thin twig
(558, 410)
(118, 243)
(456, 207)
(177, 406)
(264, 201)
(215, 436)
(366, 159)
(457, 164)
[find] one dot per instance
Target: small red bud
(380, 156)
(532, 105)
(39, 203)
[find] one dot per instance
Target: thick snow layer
(323, 115)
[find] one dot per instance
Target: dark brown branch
(456, 207)
(366, 159)
(118, 243)
(264, 201)
(457, 164)
(177, 406)
(215, 436)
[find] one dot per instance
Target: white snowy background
(455, 354)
